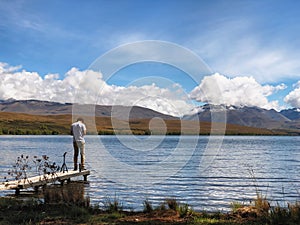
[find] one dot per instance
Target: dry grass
(14, 211)
(60, 124)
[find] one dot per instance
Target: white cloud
(293, 98)
(5, 68)
(88, 87)
(238, 91)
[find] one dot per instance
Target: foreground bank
(32, 211)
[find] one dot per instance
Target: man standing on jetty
(78, 130)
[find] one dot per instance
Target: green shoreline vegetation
(72, 211)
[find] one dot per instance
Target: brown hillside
(19, 123)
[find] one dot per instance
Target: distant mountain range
(286, 120)
(250, 116)
(36, 107)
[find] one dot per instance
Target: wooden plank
(43, 180)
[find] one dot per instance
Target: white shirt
(78, 130)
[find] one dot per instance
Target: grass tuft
(112, 205)
(147, 206)
(172, 203)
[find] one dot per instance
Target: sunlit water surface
(135, 169)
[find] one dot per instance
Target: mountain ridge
(37, 107)
(250, 116)
(245, 116)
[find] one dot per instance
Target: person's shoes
(81, 167)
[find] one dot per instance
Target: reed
(147, 206)
(112, 205)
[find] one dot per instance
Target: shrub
(172, 203)
(262, 205)
(294, 210)
(235, 206)
(147, 206)
(112, 205)
(185, 211)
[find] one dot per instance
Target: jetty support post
(85, 177)
(17, 191)
(36, 189)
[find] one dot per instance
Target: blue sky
(235, 38)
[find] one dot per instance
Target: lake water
(206, 172)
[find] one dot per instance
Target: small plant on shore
(282, 215)
(279, 215)
(294, 210)
(172, 203)
(45, 167)
(20, 169)
(185, 211)
(162, 206)
(24, 164)
(262, 204)
(112, 205)
(147, 206)
(235, 206)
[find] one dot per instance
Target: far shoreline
(126, 134)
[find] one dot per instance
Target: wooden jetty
(42, 180)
